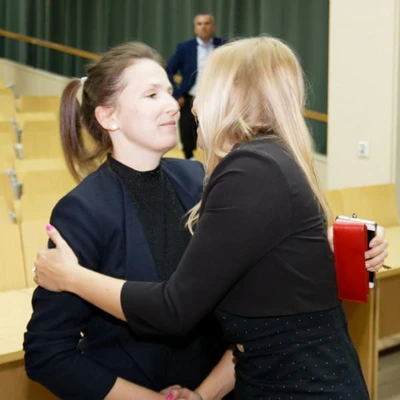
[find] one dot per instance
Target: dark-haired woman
(125, 220)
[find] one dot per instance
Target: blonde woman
(259, 259)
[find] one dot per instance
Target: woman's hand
(377, 253)
(179, 393)
(375, 256)
(167, 391)
(53, 267)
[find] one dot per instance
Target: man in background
(189, 60)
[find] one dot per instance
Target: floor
(389, 375)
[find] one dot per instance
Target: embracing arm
(101, 290)
(215, 386)
(221, 379)
(58, 270)
(125, 390)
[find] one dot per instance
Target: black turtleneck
(160, 213)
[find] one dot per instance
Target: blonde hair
(253, 86)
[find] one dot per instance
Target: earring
(114, 127)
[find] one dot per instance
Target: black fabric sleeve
(246, 213)
(53, 333)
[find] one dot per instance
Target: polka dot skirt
(307, 356)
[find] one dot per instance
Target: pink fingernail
(170, 396)
(49, 227)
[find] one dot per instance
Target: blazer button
(240, 348)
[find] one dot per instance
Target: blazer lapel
(192, 58)
(184, 187)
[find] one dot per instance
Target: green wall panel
(96, 25)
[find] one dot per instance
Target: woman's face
(146, 113)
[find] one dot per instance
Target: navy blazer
(99, 221)
(184, 60)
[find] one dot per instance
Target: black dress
(261, 262)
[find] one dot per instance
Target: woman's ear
(106, 118)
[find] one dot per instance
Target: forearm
(220, 381)
(125, 390)
(98, 289)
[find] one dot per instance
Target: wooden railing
(50, 45)
(311, 114)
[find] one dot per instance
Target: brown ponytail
(101, 88)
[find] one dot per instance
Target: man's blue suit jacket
(184, 60)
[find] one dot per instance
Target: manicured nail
(170, 396)
(367, 265)
(49, 227)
